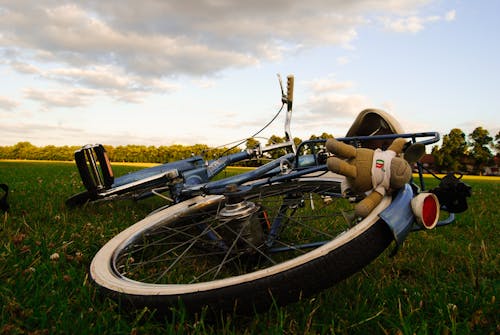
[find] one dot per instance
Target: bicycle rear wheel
(275, 244)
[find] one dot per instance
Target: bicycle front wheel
(276, 244)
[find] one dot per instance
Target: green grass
(443, 281)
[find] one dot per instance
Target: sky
(157, 73)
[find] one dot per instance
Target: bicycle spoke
(204, 244)
(160, 257)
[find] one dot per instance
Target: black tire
(250, 287)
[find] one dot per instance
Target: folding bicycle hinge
(95, 169)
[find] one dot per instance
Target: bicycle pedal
(95, 169)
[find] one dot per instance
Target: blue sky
(159, 73)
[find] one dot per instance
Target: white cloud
(413, 23)
(25, 68)
(333, 105)
(57, 98)
(409, 24)
(330, 112)
(128, 50)
(101, 77)
(37, 133)
(99, 80)
(329, 84)
(205, 83)
(450, 16)
(343, 60)
(329, 106)
(110, 79)
(490, 125)
(166, 39)
(7, 103)
(71, 34)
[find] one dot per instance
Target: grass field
(444, 281)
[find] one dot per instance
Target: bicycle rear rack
(94, 167)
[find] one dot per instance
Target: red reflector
(425, 207)
(429, 212)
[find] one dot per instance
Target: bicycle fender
(399, 215)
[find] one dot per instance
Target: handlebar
(288, 100)
(289, 91)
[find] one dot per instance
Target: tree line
(122, 153)
(458, 151)
(470, 153)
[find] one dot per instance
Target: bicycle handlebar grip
(289, 88)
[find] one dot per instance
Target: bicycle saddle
(372, 122)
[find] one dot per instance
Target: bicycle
(274, 234)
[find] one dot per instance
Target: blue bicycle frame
(194, 176)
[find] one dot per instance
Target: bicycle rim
(195, 252)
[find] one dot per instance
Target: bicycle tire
(279, 284)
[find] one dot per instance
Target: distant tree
(297, 140)
(322, 136)
(497, 143)
(24, 150)
(452, 151)
(252, 143)
(480, 141)
(274, 139)
(5, 152)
